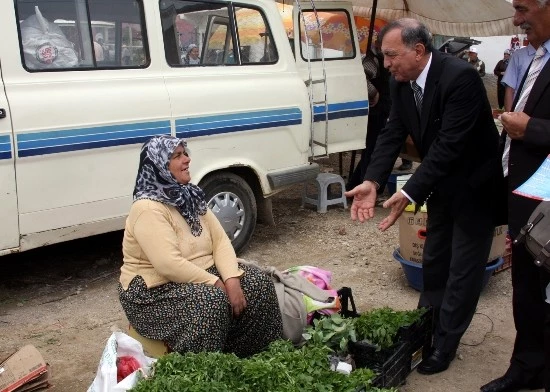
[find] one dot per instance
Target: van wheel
(232, 201)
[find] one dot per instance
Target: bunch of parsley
(380, 326)
(281, 368)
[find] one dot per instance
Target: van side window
(255, 38)
(82, 35)
(200, 33)
(337, 36)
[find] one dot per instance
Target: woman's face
(194, 53)
(179, 165)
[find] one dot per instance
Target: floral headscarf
(155, 182)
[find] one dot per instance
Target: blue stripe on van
(51, 142)
(341, 110)
(225, 123)
(5, 147)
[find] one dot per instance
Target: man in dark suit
(450, 122)
(527, 129)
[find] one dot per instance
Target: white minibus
(83, 83)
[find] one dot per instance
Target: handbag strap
(543, 258)
(345, 295)
(527, 228)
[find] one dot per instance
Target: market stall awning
(466, 18)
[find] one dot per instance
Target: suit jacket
(528, 154)
(455, 135)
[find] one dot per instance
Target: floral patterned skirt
(192, 317)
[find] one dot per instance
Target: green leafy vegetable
(281, 368)
(380, 326)
(334, 332)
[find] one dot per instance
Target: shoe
(405, 166)
(502, 384)
(436, 363)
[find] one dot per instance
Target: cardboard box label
(412, 235)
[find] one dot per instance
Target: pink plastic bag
(320, 278)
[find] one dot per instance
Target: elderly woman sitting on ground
(180, 281)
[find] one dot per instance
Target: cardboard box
(412, 235)
(24, 371)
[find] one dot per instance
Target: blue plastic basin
(413, 271)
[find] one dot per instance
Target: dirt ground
(63, 298)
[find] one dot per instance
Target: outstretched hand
(398, 202)
(364, 200)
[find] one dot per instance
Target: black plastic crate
(392, 365)
(419, 338)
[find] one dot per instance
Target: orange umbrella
(334, 28)
(362, 25)
(251, 26)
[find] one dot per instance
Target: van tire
(232, 201)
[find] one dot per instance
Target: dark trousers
(500, 94)
(531, 319)
(455, 255)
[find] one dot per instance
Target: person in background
(192, 56)
(518, 65)
(180, 281)
(126, 56)
(526, 144)
(515, 43)
(98, 48)
(475, 61)
(499, 71)
(104, 46)
(378, 79)
(459, 151)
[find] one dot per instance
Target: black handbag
(536, 235)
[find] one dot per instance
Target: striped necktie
(534, 71)
(417, 96)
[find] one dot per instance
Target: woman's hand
(236, 296)
(219, 284)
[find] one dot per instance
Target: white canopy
(467, 18)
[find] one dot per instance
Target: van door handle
(2, 113)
